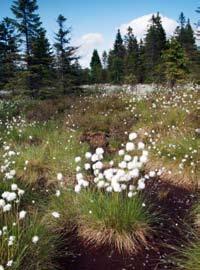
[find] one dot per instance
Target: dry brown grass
(122, 242)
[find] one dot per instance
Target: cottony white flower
(145, 153)
(141, 184)
(130, 194)
(77, 159)
(57, 193)
(2, 203)
(134, 173)
(9, 263)
(98, 165)
(20, 192)
(130, 146)
(127, 158)
(7, 207)
(84, 183)
(1, 267)
(77, 188)
(94, 158)
(35, 239)
(88, 155)
(11, 196)
(152, 174)
(22, 214)
(131, 187)
(14, 187)
(123, 165)
(109, 189)
(132, 136)
(121, 152)
(11, 153)
(79, 176)
(12, 172)
(87, 166)
(101, 184)
(143, 159)
(116, 187)
(55, 214)
(78, 168)
(59, 176)
(141, 145)
(99, 151)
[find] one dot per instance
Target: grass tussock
(113, 220)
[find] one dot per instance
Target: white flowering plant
(126, 176)
(111, 207)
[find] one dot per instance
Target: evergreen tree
(28, 25)
(185, 36)
(65, 56)
(8, 51)
(155, 43)
(175, 63)
(41, 66)
(132, 57)
(116, 60)
(27, 22)
(96, 68)
(119, 49)
(141, 63)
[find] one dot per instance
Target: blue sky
(98, 19)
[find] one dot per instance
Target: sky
(95, 22)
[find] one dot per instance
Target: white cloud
(88, 43)
(140, 25)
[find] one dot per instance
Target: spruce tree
(119, 49)
(131, 57)
(65, 56)
(141, 63)
(185, 36)
(155, 43)
(8, 51)
(116, 60)
(41, 66)
(175, 63)
(27, 22)
(96, 68)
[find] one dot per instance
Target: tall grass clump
(111, 210)
(113, 220)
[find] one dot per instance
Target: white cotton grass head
(132, 136)
(35, 239)
(55, 214)
(126, 175)
(59, 176)
(22, 214)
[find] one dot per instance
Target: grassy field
(102, 174)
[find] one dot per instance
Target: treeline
(30, 65)
(155, 59)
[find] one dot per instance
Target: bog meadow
(99, 153)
